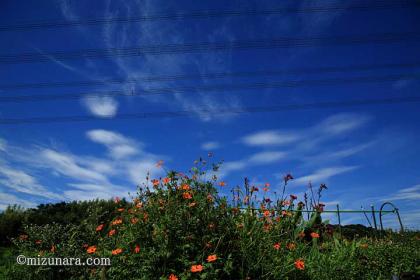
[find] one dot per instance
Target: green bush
(178, 227)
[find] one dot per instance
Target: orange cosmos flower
(291, 246)
(185, 187)
(314, 235)
(155, 182)
(117, 222)
(212, 258)
(266, 213)
(187, 195)
(100, 227)
(134, 221)
(159, 163)
(222, 184)
(172, 277)
(137, 249)
(166, 180)
(111, 232)
(117, 251)
(265, 189)
(196, 268)
(277, 246)
(300, 264)
(91, 249)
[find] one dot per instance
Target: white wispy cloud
(412, 193)
(260, 158)
(21, 181)
(321, 175)
(103, 107)
(269, 138)
(9, 199)
(67, 165)
(83, 176)
(211, 145)
(118, 145)
(2, 145)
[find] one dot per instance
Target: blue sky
(365, 154)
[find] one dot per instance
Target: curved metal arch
(395, 211)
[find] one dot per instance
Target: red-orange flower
(117, 251)
(120, 209)
(212, 258)
(267, 184)
(265, 189)
(91, 249)
(134, 220)
(187, 195)
(117, 222)
(185, 187)
(314, 235)
(111, 232)
(300, 264)
(166, 180)
(277, 246)
(196, 268)
(266, 213)
(117, 199)
(222, 184)
(291, 246)
(155, 182)
(137, 249)
(172, 277)
(100, 227)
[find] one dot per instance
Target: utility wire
(207, 88)
(160, 49)
(206, 14)
(222, 111)
(214, 75)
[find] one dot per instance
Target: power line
(207, 88)
(206, 14)
(215, 75)
(160, 49)
(186, 113)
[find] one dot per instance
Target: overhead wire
(220, 111)
(206, 14)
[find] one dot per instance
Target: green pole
(373, 216)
